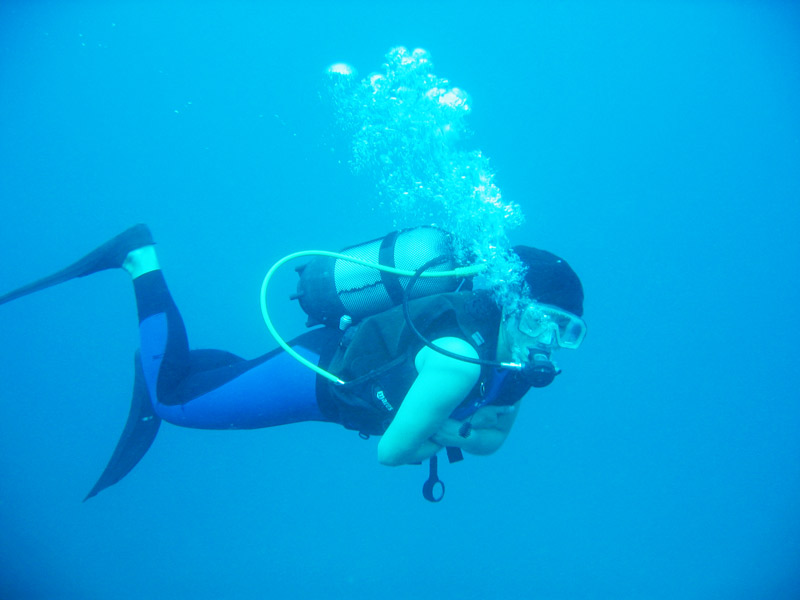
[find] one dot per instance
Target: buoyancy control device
(339, 289)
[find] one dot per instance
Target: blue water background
(656, 146)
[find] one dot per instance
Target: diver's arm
(488, 430)
(440, 386)
(427, 449)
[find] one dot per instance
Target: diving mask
(539, 320)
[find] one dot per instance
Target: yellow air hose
(458, 272)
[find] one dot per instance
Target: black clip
(431, 484)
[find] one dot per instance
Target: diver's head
(551, 280)
(548, 319)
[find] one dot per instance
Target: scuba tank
(336, 292)
(338, 289)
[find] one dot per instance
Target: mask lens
(533, 322)
(538, 318)
(572, 334)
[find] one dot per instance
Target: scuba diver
(424, 361)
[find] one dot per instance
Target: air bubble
(456, 99)
(341, 69)
(408, 132)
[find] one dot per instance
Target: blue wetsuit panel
(272, 390)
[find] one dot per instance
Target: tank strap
(454, 454)
(390, 281)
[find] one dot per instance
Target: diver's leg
(222, 391)
(271, 390)
(164, 345)
(212, 389)
(165, 350)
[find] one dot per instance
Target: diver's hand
(488, 417)
(483, 433)
(461, 434)
(449, 434)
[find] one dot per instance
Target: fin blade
(107, 256)
(40, 284)
(137, 436)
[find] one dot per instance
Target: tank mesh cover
(361, 289)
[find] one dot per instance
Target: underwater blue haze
(654, 145)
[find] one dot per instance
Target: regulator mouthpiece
(540, 371)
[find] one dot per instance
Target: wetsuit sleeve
(441, 384)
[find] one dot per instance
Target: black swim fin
(108, 256)
(136, 438)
